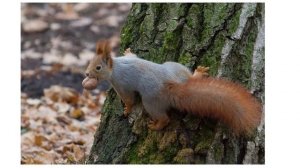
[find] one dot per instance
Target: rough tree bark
(229, 38)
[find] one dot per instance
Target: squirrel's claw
(201, 72)
(158, 124)
(128, 52)
(202, 69)
(152, 125)
(151, 122)
(127, 110)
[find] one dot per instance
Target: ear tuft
(103, 47)
(103, 50)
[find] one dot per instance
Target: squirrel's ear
(103, 47)
(103, 50)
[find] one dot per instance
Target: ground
(58, 119)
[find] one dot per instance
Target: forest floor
(59, 119)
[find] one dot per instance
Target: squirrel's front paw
(158, 125)
(152, 125)
(127, 110)
(127, 51)
(125, 113)
(201, 71)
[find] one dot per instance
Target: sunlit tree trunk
(229, 38)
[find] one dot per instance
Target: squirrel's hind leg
(157, 113)
(159, 124)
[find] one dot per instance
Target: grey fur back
(144, 76)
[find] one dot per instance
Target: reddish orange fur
(103, 49)
(224, 100)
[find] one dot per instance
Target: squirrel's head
(100, 67)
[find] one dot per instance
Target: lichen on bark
(192, 34)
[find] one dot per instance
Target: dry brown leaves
(59, 127)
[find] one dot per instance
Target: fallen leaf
(124, 7)
(46, 68)
(79, 142)
(81, 7)
(38, 140)
(40, 157)
(114, 41)
(50, 58)
(78, 153)
(47, 157)
(102, 12)
(30, 160)
(30, 53)
(77, 114)
(25, 121)
(55, 42)
(27, 44)
(85, 56)
(70, 157)
(45, 113)
(69, 60)
(59, 93)
(41, 12)
(64, 120)
(64, 16)
(66, 148)
(56, 67)
(33, 102)
(36, 25)
(55, 26)
(52, 93)
(91, 104)
(68, 14)
(62, 107)
(112, 21)
(81, 22)
(23, 95)
(95, 29)
(27, 73)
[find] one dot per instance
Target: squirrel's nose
(87, 74)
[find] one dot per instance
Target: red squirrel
(171, 84)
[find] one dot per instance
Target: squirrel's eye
(98, 67)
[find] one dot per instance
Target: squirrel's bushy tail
(221, 99)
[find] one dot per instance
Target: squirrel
(172, 85)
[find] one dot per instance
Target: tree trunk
(228, 38)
